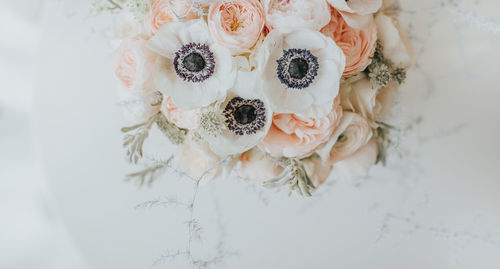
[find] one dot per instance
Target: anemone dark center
(298, 68)
(245, 114)
(194, 62)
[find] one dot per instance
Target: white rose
(357, 13)
(359, 163)
(312, 14)
(395, 46)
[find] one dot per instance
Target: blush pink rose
(134, 67)
(236, 25)
(357, 45)
(187, 119)
(297, 137)
(161, 13)
(197, 160)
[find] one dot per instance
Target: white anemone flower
(301, 71)
(246, 114)
(192, 69)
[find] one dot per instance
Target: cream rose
(317, 170)
(134, 64)
(352, 133)
(312, 14)
(359, 95)
(297, 137)
(385, 100)
(395, 45)
(358, 45)
(161, 13)
(359, 163)
(196, 160)
(187, 119)
(255, 165)
(236, 25)
(136, 91)
(357, 13)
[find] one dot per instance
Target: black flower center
(298, 68)
(245, 114)
(194, 62)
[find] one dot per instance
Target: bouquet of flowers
(282, 92)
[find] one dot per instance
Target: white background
(63, 202)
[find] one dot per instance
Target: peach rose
(294, 136)
(134, 66)
(161, 13)
(352, 133)
(236, 25)
(312, 14)
(257, 166)
(357, 45)
(359, 163)
(196, 160)
(187, 119)
(396, 47)
(357, 13)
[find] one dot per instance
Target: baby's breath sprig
(383, 141)
(294, 177)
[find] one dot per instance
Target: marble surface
(436, 204)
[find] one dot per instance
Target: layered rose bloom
(162, 13)
(371, 102)
(396, 47)
(357, 45)
(312, 14)
(359, 163)
(294, 136)
(187, 119)
(255, 165)
(134, 67)
(236, 25)
(134, 64)
(352, 133)
(196, 160)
